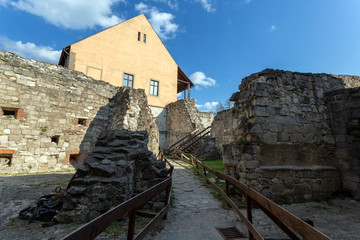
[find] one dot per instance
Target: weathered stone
(301, 124)
(66, 107)
(112, 177)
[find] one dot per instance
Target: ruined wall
(132, 112)
(160, 115)
(344, 108)
(277, 138)
(50, 115)
(206, 118)
(120, 166)
(182, 119)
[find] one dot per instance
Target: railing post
(249, 214)
(197, 167)
(168, 190)
(131, 227)
(227, 188)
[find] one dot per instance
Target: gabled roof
(183, 80)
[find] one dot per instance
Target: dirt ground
(338, 218)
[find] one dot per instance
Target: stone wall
(50, 115)
(206, 118)
(182, 119)
(344, 106)
(161, 120)
(278, 136)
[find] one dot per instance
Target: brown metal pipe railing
(288, 222)
(99, 224)
(194, 137)
(186, 137)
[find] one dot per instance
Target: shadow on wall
(101, 122)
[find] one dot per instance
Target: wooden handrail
(284, 219)
(99, 224)
(162, 157)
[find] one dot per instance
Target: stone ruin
(120, 167)
(51, 116)
(293, 136)
(183, 118)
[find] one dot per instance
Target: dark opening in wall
(5, 160)
(10, 112)
(82, 121)
(55, 139)
(74, 157)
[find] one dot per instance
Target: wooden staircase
(187, 143)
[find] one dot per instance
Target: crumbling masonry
(293, 136)
(50, 115)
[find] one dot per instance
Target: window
(82, 121)
(139, 36)
(10, 111)
(128, 80)
(154, 88)
(55, 139)
(5, 160)
(144, 40)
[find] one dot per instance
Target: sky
(215, 42)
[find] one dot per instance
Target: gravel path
(195, 212)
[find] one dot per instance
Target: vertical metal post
(197, 167)
(131, 227)
(249, 214)
(227, 188)
(168, 189)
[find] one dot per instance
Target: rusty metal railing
(287, 222)
(99, 224)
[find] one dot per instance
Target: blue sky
(215, 42)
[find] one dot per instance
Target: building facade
(129, 54)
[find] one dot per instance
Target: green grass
(217, 165)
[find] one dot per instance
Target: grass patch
(217, 165)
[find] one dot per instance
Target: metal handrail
(99, 224)
(187, 136)
(288, 222)
(194, 137)
(195, 141)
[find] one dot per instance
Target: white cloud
(4, 2)
(162, 22)
(173, 4)
(208, 106)
(207, 5)
(72, 14)
(273, 28)
(30, 50)
(200, 79)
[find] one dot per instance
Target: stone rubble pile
(120, 166)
